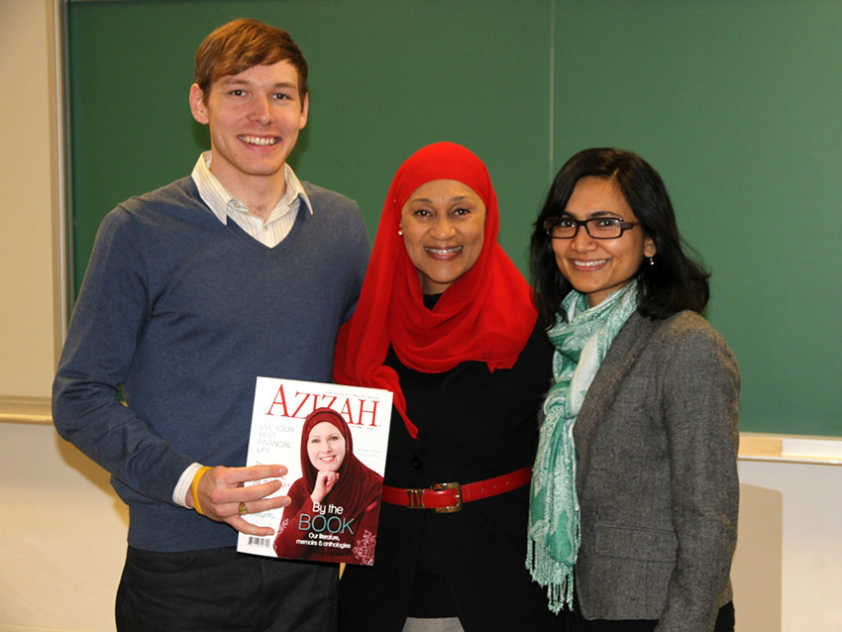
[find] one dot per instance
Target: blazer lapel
(621, 356)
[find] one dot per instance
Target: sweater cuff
(183, 484)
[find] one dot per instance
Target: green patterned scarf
(581, 343)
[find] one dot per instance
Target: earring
(400, 232)
(651, 261)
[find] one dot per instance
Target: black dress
(473, 425)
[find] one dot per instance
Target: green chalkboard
(735, 103)
(385, 79)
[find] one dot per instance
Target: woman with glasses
(633, 504)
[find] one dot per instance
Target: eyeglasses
(597, 227)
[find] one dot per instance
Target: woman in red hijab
(336, 497)
(445, 321)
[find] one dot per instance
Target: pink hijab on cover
(358, 485)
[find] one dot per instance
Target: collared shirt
(280, 221)
(270, 233)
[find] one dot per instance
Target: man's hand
(221, 490)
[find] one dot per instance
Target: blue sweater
(183, 312)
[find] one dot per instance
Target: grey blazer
(656, 443)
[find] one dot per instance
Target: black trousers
(221, 590)
(724, 623)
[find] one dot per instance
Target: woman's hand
(324, 483)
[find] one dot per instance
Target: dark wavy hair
(675, 282)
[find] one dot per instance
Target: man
(191, 292)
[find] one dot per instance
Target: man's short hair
(241, 44)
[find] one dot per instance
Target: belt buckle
(438, 487)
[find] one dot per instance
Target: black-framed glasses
(597, 227)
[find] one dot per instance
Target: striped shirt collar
(222, 203)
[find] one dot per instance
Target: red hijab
(486, 315)
(358, 485)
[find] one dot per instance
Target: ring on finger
(242, 509)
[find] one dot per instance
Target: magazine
(332, 440)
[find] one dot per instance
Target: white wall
(26, 223)
(791, 544)
(62, 533)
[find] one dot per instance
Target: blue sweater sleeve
(107, 321)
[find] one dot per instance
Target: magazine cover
(333, 440)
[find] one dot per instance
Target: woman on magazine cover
(336, 486)
(634, 490)
(446, 322)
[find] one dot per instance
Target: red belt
(448, 497)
